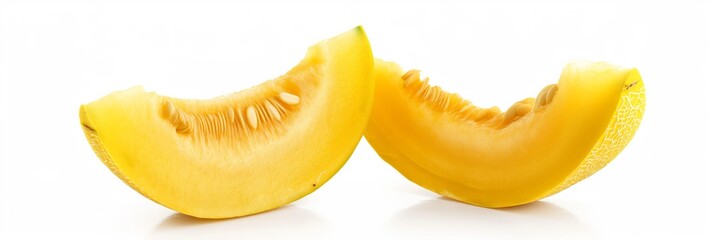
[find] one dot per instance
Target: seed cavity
(442, 101)
(261, 116)
(252, 117)
(289, 98)
(433, 96)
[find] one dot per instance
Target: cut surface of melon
(485, 157)
(247, 152)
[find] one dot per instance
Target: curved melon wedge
(244, 153)
(486, 157)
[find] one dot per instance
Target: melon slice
(486, 157)
(243, 153)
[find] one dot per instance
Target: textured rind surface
(102, 154)
(620, 131)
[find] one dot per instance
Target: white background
(55, 57)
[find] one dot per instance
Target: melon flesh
(243, 153)
(486, 157)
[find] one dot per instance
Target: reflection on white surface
(440, 217)
(276, 224)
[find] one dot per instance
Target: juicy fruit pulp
(486, 157)
(244, 153)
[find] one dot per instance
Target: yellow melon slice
(243, 153)
(486, 157)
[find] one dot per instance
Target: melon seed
(252, 117)
(289, 98)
